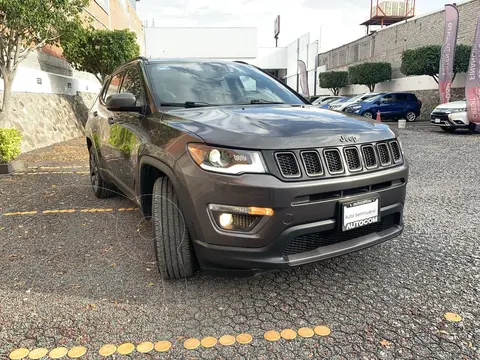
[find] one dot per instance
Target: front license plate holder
(360, 212)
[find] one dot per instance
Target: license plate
(437, 121)
(360, 213)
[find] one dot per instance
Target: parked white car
(354, 100)
(450, 116)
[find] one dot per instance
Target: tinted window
(412, 97)
(112, 87)
(132, 83)
(387, 98)
(401, 97)
(215, 83)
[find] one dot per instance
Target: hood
(453, 105)
(274, 127)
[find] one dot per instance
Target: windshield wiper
(186, 104)
(262, 101)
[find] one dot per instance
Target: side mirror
(122, 102)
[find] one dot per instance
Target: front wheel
(174, 250)
(410, 116)
(368, 115)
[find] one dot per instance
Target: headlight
(227, 161)
(355, 107)
(458, 110)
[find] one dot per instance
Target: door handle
(111, 120)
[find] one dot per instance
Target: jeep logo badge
(350, 138)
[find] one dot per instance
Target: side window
(387, 98)
(401, 97)
(112, 87)
(412, 98)
(132, 83)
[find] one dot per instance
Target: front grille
(311, 161)
(244, 221)
(334, 161)
(288, 164)
(439, 115)
(308, 242)
(353, 159)
(383, 154)
(395, 151)
(369, 156)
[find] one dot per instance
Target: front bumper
(306, 212)
(455, 120)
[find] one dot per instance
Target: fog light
(225, 220)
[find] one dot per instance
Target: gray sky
(336, 20)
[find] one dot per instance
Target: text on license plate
(360, 213)
(437, 121)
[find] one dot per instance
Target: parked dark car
(237, 171)
(400, 105)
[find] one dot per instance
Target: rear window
(412, 97)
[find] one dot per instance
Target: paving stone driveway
(87, 276)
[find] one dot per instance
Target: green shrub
(10, 140)
(370, 74)
(333, 80)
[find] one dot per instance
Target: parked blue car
(326, 104)
(398, 105)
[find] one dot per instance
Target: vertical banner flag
(447, 57)
(472, 86)
(303, 78)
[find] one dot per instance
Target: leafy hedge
(333, 80)
(425, 60)
(370, 74)
(10, 140)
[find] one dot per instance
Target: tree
(98, 51)
(27, 25)
(333, 80)
(370, 74)
(425, 60)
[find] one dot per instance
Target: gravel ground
(90, 279)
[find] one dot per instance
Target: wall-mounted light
(39, 81)
(69, 85)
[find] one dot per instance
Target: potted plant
(10, 140)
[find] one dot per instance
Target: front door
(386, 106)
(128, 132)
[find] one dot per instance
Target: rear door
(400, 104)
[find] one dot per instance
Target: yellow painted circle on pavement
(126, 348)
(58, 353)
(305, 332)
(18, 354)
(191, 344)
(76, 352)
(244, 339)
(163, 346)
(38, 353)
(145, 347)
(453, 317)
(107, 350)
(271, 335)
(322, 330)
(288, 334)
(227, 340)
(208, 342)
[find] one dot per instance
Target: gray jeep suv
(238, 171)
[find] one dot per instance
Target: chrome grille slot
(334, 161)
(395, 147)
(369, 156)
(384, 154)
(288, 165)
(311, 162)
(353, 159)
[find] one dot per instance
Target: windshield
(215, 83)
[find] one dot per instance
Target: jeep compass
(237, 171)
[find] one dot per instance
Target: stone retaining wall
(46, 119)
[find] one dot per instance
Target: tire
(448, 129)
(410, 116)
(368, 115)
(173, 248)
(101, 188)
